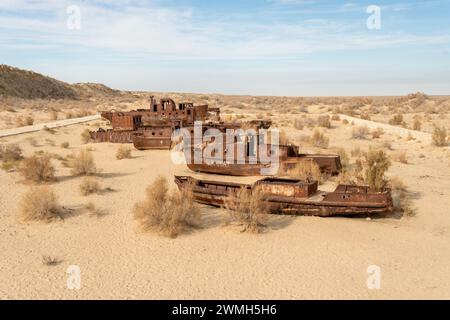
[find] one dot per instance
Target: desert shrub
(397, 120)
(50, 261)
(344, 121)
(376, 164)
(123, 152)
(83, 163)
(40, 204)
(38, 168)
(335, 117)
(400, 197)
(377, 133)
(319, 139)
(439, 136)
(360, 132)
(402, 157)
(89, 185)
(10, 152)
(248, 210)
(167, 213)
(365, 115)
(307, 169)
(324, 121)
(65, 145)
(345, 161)
(85, 136)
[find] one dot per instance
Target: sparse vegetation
(10, 155)
(319, 139)
(40, 204)
(85, 136)
(360, 132)
(123, 152)
(307, 169)
(324, 121)
(50, 261)
(440, 136)
(376, 165)
(65, 145)
(38, 168)
(89, 185)
(248, 210)
(83, 164)
(166, 213)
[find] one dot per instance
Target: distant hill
(25, 84)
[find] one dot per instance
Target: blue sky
(265, 47)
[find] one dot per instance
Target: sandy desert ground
(296, 258)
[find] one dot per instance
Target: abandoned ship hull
(112, 136)
(156, 143)
(341, 202)
(328, 164)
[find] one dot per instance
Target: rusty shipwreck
(295, 197)
(251, 163)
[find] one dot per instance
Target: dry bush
(440, 136)
(344, 121)
(345, 161)
(376, 164)
(377, 133)
(83, 163)
(50, 261)
(65, 145)
(319, 139)
(400, 197)
(40, 204)
(324, 121)
(335, 117)
(401, 156)
(306, 169)
(247, 209)
(365, 115)
(38, 168)
(85, 136)
(397, 120)
(166, 213)
(360, 132)
(89, 185)
(10, 152)
(123, 152)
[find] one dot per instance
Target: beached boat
(289, 157)
(295, 197)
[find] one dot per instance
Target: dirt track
(419, 135)
(49, 125)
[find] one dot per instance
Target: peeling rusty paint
(295, 197)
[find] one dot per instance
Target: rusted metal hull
(328, 164)
(344, 201)
(149, 143)
(112, 136)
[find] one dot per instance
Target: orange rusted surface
(295, 197)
